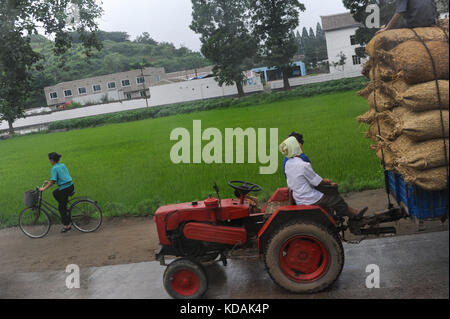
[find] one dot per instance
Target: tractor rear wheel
(185, 279)
(304, 257)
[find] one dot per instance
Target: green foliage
(73, 105)
(226, 39)
(341, 63)
(207, 105)
(358, 9)
(313, 47)
(104, 36)
(19, 21)
(275, 22)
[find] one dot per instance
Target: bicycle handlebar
(45, 183)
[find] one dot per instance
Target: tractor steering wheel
(244, 188)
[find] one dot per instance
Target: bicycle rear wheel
(34, 223)
(86, 216)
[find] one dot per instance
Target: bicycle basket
(31, 198)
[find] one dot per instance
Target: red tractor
(300, 245)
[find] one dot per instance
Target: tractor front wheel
(304, 257)
(185, 279)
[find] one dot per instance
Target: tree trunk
(240, 89)
(287, 85)
(11, 128)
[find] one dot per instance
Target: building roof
(338, 21)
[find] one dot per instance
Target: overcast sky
(169, 20)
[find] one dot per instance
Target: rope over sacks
(409, 104)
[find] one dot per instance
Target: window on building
(128, 96)
(356, 60)
(353, 40)
(143, 94)
(53, 95)
(126, 83)
(67, 93)
(140, 80)
(158, 78)
(97, 88)
(82, 91)
(111, 85)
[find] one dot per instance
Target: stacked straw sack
(404, 116)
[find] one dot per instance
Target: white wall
(316, 79)
(196, 90)
(339, 41)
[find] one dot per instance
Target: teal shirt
(61, 176)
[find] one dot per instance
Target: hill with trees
(119, 54)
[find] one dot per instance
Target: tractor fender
(287, 213)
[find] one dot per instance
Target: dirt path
(123, 241)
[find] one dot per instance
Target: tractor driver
(303, 181)
(415, 14)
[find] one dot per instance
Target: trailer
(416, 202)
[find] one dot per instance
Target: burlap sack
(392, 149)
(422, 126)
(411, 62)
(434, 179)
(386, 124)
(367, 68)
(406, 153)
(421, 156)
(394, 89)
(382, 72)
(390, 39)
(423, 97)
(381, 102)
(367, 118)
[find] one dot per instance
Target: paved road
(414, 266)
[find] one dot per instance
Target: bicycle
(35, 220)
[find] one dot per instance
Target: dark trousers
(332, 200)
(62, 197)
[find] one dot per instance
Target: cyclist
(60, 175)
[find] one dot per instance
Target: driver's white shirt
(302, 180)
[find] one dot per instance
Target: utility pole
(143, 84)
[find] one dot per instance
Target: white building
(340, 35)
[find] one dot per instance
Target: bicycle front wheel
(34, 223)
(86, 216)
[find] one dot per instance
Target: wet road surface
(414, 266)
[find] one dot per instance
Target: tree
(442, 6)
(15, 76)
(314, 46)
(145, 38)
(104, 36)
(305, 40)
(319, 31)
(342, 59)
(275, 22)
(358, 9)
(226, 38)
(321, 43)
(312, 36)
(19, 20)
